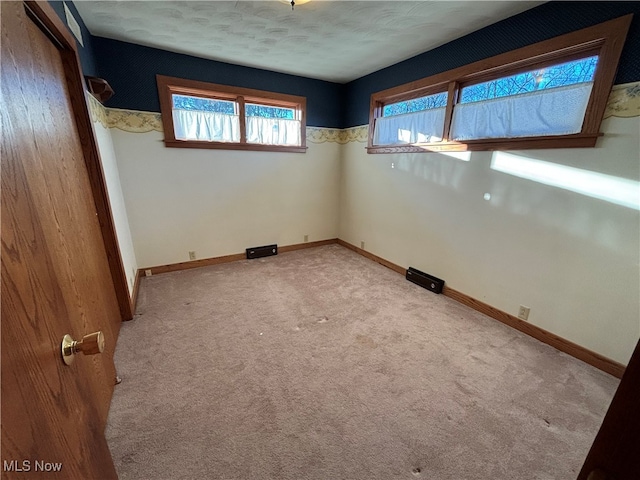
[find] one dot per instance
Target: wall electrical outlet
(523, 312)
(362, 245)
(148, 273)
(306, 238)
(192, 255)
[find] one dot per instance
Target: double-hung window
(549, 95)
(205, 115)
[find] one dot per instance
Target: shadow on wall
(590, 205)
(436, 167)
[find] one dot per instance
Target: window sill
(234, 146)
(578, 140)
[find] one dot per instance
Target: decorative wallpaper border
(624, 101)
(344, 136)
(132, 121)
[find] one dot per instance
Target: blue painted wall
(87, 57)
(131, 71)
(541, 23)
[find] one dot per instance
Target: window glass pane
(273, 131)
(436, 100)
(556, 111)
(569, 73)
(205, 126)
(264, 111)
(185, 102)
(417, 127)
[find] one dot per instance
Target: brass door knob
(89, 345)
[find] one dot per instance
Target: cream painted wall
(219, 202)
(572, 258)
(116, 199)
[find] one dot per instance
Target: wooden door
(615, 453)
(55, 274)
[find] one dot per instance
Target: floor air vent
(266, 251)
(425, 280)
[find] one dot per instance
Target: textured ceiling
(335, 41)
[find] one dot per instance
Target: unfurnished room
(320, 240)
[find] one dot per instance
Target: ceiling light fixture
(293, 3)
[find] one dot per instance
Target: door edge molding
(46, 15)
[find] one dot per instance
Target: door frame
(46, 15)
(614, 452)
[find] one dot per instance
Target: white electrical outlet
(523, 312)
(148, 273)
(192, 255)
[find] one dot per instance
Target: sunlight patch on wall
(621, 191)
(464, 156)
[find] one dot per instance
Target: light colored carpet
(320, 364)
